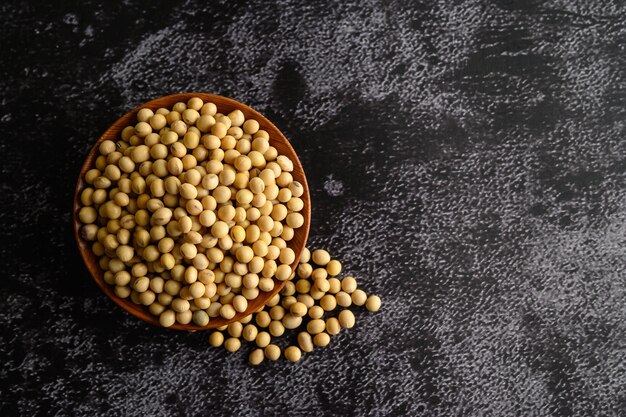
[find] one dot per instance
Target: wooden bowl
(224, 105)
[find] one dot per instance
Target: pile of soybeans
(191, 213)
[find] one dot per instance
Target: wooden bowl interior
(224, 105)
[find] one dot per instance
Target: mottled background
(466, 160)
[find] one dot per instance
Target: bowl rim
(91, 260)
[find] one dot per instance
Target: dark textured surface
(466, 160)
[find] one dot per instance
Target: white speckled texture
(466, 161)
